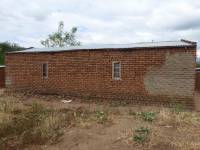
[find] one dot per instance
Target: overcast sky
(27, 22)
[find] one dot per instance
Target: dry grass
(23, 125)
(36, 124)
(33, 125)
(176, 130)
(172, 118)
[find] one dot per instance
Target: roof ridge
(128, 43)
(108, 44)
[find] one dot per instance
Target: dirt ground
(169, 130)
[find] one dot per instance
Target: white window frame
(113, 77)
(47, 70)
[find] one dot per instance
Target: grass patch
(178, 118)
(39, 125)
(81, 115)
(141, 134)
(178, 109)
(102, 117)
(36, 125)
(6, 106)
(146, 116)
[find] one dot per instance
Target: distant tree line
(7, 47)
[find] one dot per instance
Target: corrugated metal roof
(109, 46)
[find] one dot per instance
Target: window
(45, 70)
(116, 70)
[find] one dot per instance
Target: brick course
(149, 76)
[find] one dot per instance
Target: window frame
(113, 69)
(46, 70)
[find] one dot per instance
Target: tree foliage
(7, 47)
(61, 38)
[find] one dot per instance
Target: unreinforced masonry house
(139, 73)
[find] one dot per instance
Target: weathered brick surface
(2, 77)
(149, 76)
(197, 82)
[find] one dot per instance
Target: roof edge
(136, 48)
(190, 42)
(185, 43)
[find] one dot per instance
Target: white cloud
(100, 21)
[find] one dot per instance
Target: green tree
(7, 47)
(61, 38)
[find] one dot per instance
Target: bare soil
(168, 131)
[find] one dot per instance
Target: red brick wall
(2, 77)
(148, 76)
(197, 83)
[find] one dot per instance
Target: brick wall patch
(174, 77)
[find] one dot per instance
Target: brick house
(139, 73)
